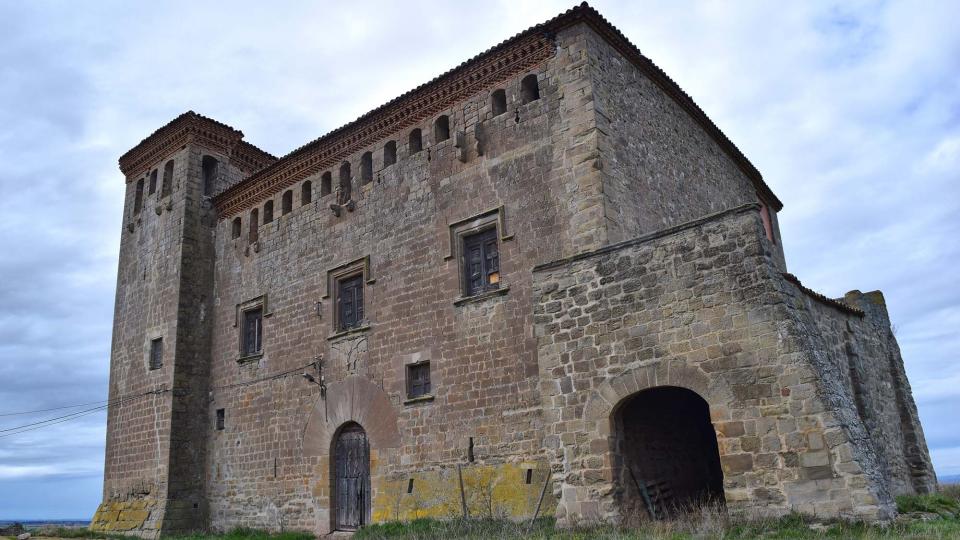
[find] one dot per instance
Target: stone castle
(543, 283)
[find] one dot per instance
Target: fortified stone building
(542, 283)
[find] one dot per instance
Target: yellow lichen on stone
(498, 491)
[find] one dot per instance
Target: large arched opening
(350, 476)
(666, 459)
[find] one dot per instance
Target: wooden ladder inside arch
(657, 495)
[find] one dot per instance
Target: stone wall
(858, 360)
(659, 167)
(522, 166)
(154, 452)
(703, 306)
(527, 381)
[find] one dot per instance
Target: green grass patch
(790, 527)
(935, 503)
(244, 533)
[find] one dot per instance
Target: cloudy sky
(851, 110)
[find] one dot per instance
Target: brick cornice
(486, 70)
(190, 128)
(519, 53)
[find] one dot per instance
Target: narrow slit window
(326, 184)
(529, 89)
(529, 479)
(138, 197)
(416, 141)
(211, 171)
(267, 212)
(366, 168)
(236, 227)
(767, 221)
(346, 185)
(498, 102)
(441, 128)
(390, 153)
(167, 186)
(254, 224)
(156, 353)
(153, 183)
(221, 419)
(286, 202)
(306, 193)
(481, 262)
(410, 486)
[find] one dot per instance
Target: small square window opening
(418, 380)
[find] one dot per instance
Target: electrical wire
(101, 402)
(67, 417)
(104, 405)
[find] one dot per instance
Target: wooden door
(352, 469)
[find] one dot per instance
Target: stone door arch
(351, 477)
(664, 453)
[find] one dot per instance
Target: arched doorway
(665, 453)
(351, 477)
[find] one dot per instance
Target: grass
(790, 527)
(243, 533)
(705, 523)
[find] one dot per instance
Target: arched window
(441, 128)
(390, 153)
(366, 168)
(306, 193)
(529, 89)
(416, 141)
(254, 223)
(326, 184)
(286, 202)
(267, 212)
(346, 187)
(167, 186)
(153, 183)
(211, 171)
(138, 197)
(498, 102)
(236, 227)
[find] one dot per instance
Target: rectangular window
(350, 302)
(418, 380)
(221, 418)
(481, 262)
(156, 353)
(252, 340)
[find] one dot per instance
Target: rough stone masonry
(543, 283)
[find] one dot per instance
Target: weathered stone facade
(637, 249)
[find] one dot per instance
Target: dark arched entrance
(665, 453)
(351, 477)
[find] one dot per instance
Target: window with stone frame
(418, 380)
(481, 262)
(221, 419)
(349, 302)
(156, 353)
(251, 332)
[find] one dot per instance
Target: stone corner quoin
(543, 283)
